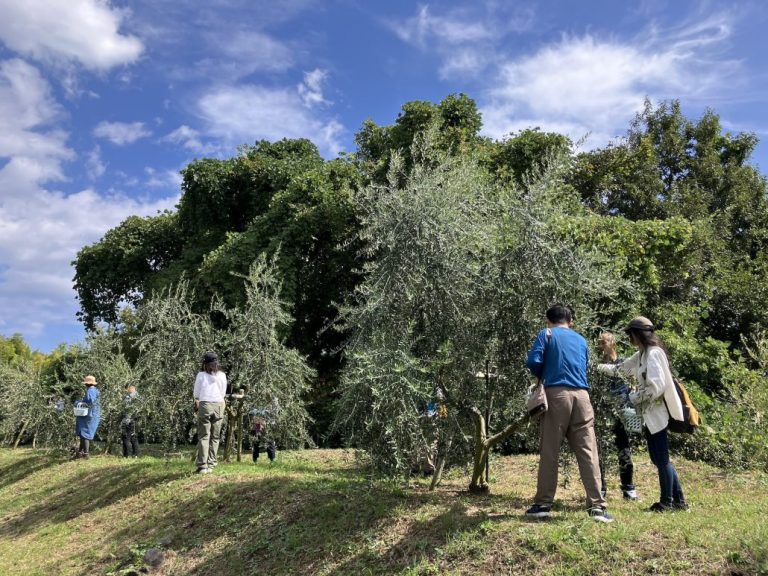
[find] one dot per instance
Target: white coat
(654, 386)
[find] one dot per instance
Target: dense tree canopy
(674, 213)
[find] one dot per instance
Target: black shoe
(600, 514)
(538, 511)
(681, 506)
(659, 507)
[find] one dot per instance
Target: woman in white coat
(655, 397)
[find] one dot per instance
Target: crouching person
(259, 435)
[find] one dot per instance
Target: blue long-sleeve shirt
(565, 361)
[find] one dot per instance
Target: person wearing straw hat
(86, 426)
(656, 399)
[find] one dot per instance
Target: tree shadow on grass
(287, 525)
(85, 492)
(23, 467)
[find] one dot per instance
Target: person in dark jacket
(129, 423)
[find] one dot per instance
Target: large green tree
(670, 167)
(460, 273)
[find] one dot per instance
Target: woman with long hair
(655, 398)
(209, 391)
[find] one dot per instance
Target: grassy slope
(313, 512)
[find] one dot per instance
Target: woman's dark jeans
(658, 449)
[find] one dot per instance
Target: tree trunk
(478, 484)
(483, 446)
(21, 433)
(440, 465)
(229, 438)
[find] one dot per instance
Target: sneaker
(630, 494)
(204, 471)
(538, 511)
(681, 506)
(659, 507)
(599, 514)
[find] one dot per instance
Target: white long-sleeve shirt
(210, 387)
(654, 386)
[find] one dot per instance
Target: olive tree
(25, 407)
(102, 357)
(171, 341)
(460, 273)
(274, 376)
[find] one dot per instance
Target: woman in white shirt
(210, 388)
(655, 398)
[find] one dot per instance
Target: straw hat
(90, 381)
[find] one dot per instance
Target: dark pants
(271, 449)
(626, 467)
(128, 435)
(669, 483)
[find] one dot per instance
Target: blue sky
(103, 102)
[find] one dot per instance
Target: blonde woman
(655, 398)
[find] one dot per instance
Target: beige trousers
(569, 416)
(210, 416)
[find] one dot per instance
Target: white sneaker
(631, 495)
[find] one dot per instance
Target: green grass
(314, 512)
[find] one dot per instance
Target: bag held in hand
(537, 400)
(537, 397)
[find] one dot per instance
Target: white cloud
(27, 111)
(244, 114)
(233, 55)
(94, 165)
(65, 31)
(467, 38)
(453, 29)
(189, 138)
(41, 229)
(311, 89)
(169, 179)
(253, 50)
(121, 133)
(595, 85)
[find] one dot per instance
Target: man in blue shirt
(559, 357)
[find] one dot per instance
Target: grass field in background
(315, 512)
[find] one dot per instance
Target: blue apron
(86, 426)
